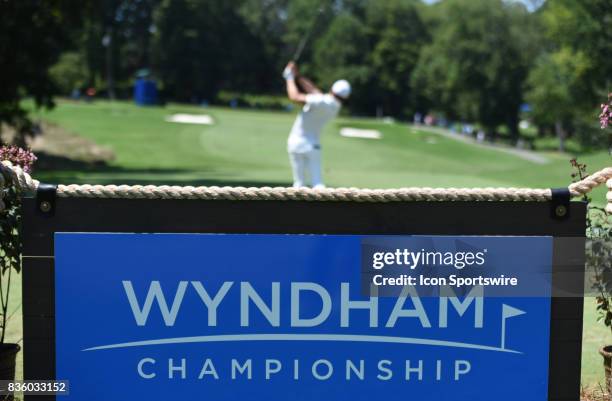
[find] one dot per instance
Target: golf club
(304, 40)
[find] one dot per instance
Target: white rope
(304, 194)
(29, 186)
(609, 197)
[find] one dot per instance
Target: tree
(266, 21)
(474, 68)
(202, 46)
(115, 42)
(69, 73)
(584, 26)
(32, 36)
(397, 36)
(552, 84)
(340, 53)
(375, 45)
(135, 19)
(576, 70)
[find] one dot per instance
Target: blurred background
(189, 92)
(463, 93)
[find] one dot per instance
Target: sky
(532, 5)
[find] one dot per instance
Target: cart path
(524, 154)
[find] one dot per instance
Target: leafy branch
(10, 220)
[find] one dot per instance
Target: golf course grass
(248, 148)
(594, 336)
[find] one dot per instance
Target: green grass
(248, 148)
(14, 327)
(594, 336)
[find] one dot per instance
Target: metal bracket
(45, 199)
(560, 203)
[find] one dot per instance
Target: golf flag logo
(508, 312)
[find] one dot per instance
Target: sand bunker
(190, 119)
(360, 133)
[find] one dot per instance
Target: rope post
(45, 199)
(560, 203)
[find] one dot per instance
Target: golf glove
(288, 74)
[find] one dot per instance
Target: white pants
(303, 163)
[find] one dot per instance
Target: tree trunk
(561, 135)
(513, 127)
(110, 47)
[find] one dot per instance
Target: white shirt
(320, 108)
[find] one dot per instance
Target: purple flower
(605, 118)
(16, 155)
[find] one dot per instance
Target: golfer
(319, 108)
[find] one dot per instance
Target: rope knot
(6, 174)
(589, 183)
(12, 174)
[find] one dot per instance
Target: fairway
(249, 148)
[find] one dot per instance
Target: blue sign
(283, 317)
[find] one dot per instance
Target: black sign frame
(299, 217)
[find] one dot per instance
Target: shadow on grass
(46, 162)
(53, 169)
